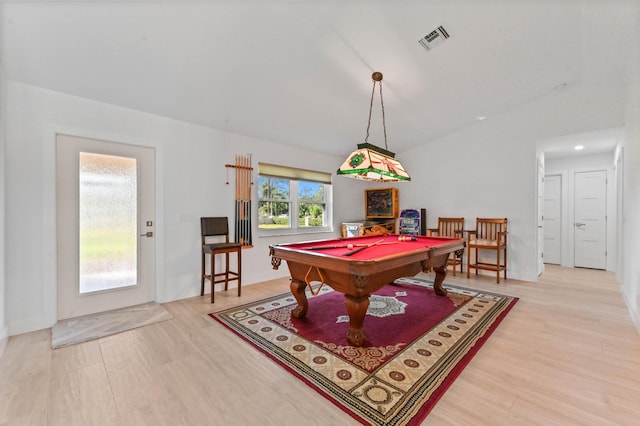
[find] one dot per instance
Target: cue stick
(333, 247)
(239, 174)
(362, 248)
(345, 246)
(238, 213)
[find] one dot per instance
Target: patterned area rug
(417, 344)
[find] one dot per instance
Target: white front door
(105, 197)
(552, 218)
(590, 219)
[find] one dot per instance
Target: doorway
(105, 213)
(552, 219)
(590, 219)
(540, 216)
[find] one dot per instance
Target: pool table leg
(357, 309)
(297, 289)
(439, 265)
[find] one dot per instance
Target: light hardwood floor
(567, 354)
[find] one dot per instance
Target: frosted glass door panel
(108, 222)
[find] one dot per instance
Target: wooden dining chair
(490, 234)
(215, 240)
(450, 227)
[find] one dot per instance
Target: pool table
(359, 266)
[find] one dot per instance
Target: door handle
(147, 234)
(580, 224)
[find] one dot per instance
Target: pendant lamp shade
(370, 162)
(374, 164)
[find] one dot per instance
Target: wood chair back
(450, 227)
(214, 227)
(491, 229)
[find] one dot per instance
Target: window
(293, 201)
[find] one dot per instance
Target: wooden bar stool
(218, 228)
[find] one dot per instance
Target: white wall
(489, 169)
(191, 176)
(566, 168)
(629, 274)
(492, 177)
(4, 329)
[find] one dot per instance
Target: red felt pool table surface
(359, 266)
(381, 246)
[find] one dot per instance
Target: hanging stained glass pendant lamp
(370, 162)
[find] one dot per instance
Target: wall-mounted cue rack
(244, 181)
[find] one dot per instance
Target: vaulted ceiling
(299, 71)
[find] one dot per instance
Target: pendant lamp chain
(377, 78)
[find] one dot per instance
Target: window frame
(294, 176)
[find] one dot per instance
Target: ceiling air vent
(434, 38)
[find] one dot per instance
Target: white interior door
(552, 219)
(105, 197)
(540, 214)
(590, 219)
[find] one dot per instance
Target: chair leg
(239, 271)
(202, 276)
(505, 263)
(498, 266)
(213, 273)
(452, 260)
(468, 263)
(226, 272)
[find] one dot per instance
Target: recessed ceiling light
(480, 117)
(578, 147)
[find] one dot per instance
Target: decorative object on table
(370, 162)
(422, 343)
(379, 229)
(451, 227)
(368, 227)
(490, 234)
(352, 229)
(409, 222)
(217, 228)
(244, 181)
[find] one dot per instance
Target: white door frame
(70, 302)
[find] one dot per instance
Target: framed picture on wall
(381, 203)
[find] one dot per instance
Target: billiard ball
(350, 246)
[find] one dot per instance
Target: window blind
(274, 170)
